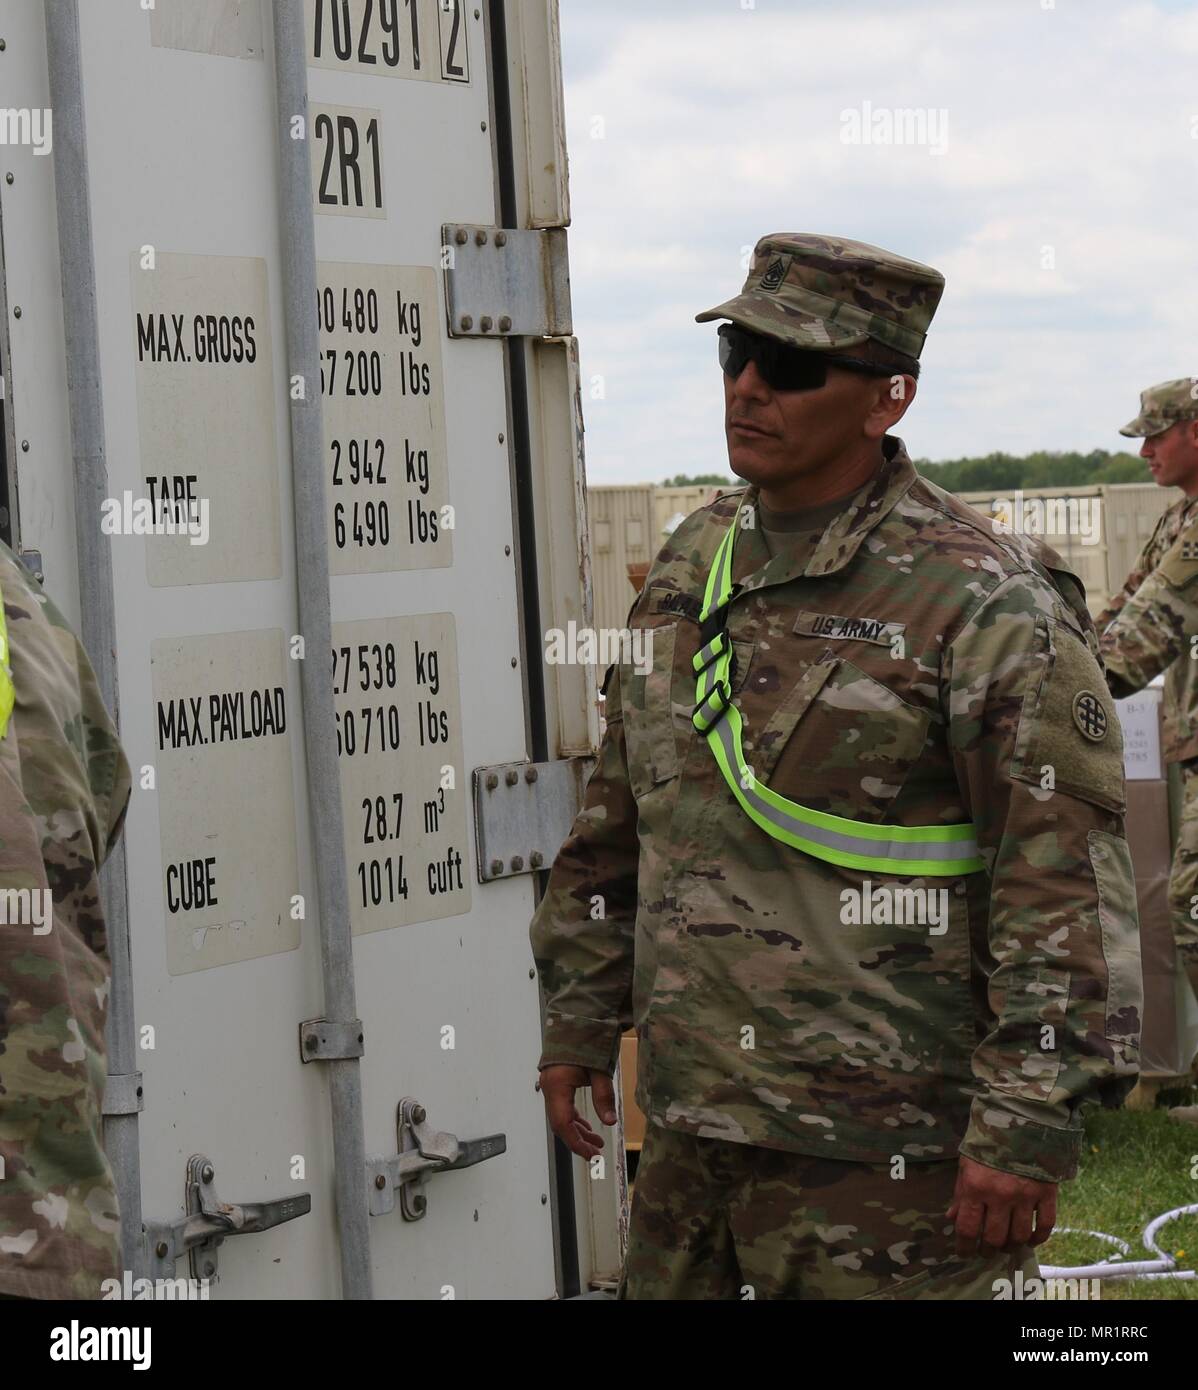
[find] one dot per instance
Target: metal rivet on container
(517, 863)
(476, 14)
(544, 1199)
(505, 324)
(496, 867)
(507, 549)
(4, 42)
(209, 1268)
(480, 237)
(460, 236)
(536, 859)
(310, 1042)
(161, 1248)
(486, 323)
(512, 777)
(501, 439)
(207, 1173)
(530, 774)
(467, 322)
(8, 178)
(24, 446)
(418, 1115)
(492, 781)
(380, 1181)
(16, 313)
(513, 663)
(532, 974)
(500, 238)
(482, 125)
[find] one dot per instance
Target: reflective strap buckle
(707, 656)
(716, 620)
(712, 708)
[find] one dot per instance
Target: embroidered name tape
(673, 601)
(850, 629)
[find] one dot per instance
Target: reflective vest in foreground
(890, 849)
(6, 690)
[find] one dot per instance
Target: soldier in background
(864, 888)
(64, 788)
(1151, 626)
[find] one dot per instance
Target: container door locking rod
(422, 1150)
(209, 1221)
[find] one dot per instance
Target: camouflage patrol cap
(827, 293)
(1163, 405)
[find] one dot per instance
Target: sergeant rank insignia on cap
(775, 273)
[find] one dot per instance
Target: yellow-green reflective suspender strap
(7, 697)
(941, 850)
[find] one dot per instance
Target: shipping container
(295, 277)
(672, 505)
(1131, 512)
(623, 533)
(629, 525)
(1098, 530)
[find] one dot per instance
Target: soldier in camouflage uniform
(840, 1060)
(64, 787)
(1151, 626)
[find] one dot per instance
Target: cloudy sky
(1058, 194)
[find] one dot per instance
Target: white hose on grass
(1163, 1267)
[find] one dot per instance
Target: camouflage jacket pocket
(841, 741)
(1118, 919)
(648, 713)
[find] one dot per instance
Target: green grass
(1134, 1166)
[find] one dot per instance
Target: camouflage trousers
(1183, 876)
(717, 1220)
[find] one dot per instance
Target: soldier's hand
(558, 1085)
(1002, 1210)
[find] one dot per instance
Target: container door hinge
(523, 812)
(422, 1151)
(506, 282)
(209, 1221)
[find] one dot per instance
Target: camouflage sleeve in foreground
(64, 786)
(1156, 626)
(1038, 754)
(583, 930)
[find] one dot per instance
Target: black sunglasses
(782, 367)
